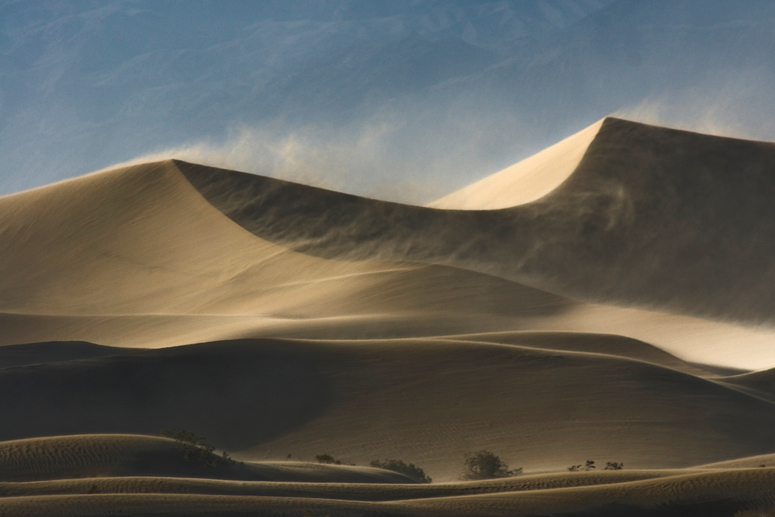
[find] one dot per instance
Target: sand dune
(179, 272)
(427, 401)
(125, 456)
(647, 218)
(607, 299)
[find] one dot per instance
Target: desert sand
(605, 300)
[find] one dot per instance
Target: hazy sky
(402, 100)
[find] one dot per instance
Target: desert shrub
(486, 465)
(410, 469)
(327, 458)
(193, 446)
(610, 465)
(583, 468)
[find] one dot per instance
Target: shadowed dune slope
(425, 401)
(51, 352)
(590, 343)
(761, 383)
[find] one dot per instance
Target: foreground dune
(717, 493)
(97, 456)
(90, 474)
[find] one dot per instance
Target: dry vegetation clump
(399, 466)
(486, 465)
(610, 465)
(328, 459)
(193, 446)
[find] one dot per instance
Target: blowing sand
(606, 300)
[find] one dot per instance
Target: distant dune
(607, 299)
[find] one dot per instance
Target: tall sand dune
(150, 256)
(650, 216)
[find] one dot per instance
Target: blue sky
(402, 100)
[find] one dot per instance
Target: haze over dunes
(606, 299)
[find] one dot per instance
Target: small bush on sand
(610, 465)
(193, 446)
(410, 469)
(486, 465)
(327, 458)
(582, 468)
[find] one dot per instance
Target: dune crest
(525, 181)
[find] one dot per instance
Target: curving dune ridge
(596, 301)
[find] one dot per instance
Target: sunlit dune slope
(142, 240)
(424, 401)
(524, 181)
